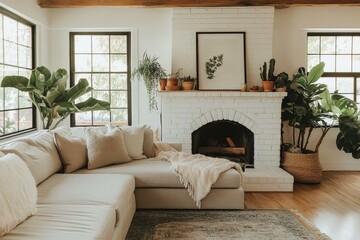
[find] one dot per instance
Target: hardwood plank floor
(333, 205)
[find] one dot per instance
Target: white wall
(150, 30)
(290, 30)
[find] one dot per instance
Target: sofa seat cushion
(70, 222)
(111, 189)
(150, 173)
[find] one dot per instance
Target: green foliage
(150, 71)
(348, 139)
(282, 80)
(212, 65)
(268, 75)
(49, 94)
(188, 79)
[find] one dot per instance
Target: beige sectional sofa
(100, 203)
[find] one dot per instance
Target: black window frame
(72, 72)
(354, 75)
(19, 19)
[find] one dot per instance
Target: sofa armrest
(177, 146)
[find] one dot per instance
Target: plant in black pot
(309, 106)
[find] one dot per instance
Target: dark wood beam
(190, 3)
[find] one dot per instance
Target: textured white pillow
(134, 140)
(105, 149)
(18, 193)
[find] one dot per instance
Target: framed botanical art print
(220, 60)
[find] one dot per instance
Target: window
(341, 54)
(17, 52)
(104, 60)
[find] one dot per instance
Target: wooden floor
(333, 205)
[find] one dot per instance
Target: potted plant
(188, 82)
(49, 95)
(281, 82)
(268, 77)
(150, 70)
(310, 106)
(173, 80)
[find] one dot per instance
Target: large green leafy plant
(49, 94)
(150, 70)
(310, 106)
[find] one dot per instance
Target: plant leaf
(18, 82)
(316, 72)
(93, 104)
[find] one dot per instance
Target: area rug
(227, 224)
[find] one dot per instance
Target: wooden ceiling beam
(189, 3)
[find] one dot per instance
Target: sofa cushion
(111, 189)
(39, 153)
(72, 152)
(105, 149)
(150, 173)
(70, 222)
(148, 147)
(18, 192)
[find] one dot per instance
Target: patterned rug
(214, 224)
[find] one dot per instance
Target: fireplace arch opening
(226, 139)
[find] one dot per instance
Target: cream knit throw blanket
(197, 172)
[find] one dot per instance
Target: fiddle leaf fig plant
(49, 95)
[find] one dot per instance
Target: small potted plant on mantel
(173, 80)
(281, 82)
(268, 77)
(188, 82)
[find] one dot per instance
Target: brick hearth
(184, 112)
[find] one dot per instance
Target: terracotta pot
(283, 89)
(162, 82)
(305, 167)
(172, 82)
(187, 85)
(268, 86)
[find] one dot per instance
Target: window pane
(83, 119)
(100, 44)
(356, 63)
(25, 119)
(1, 51)
(100, 63)
(356, 45)
(313, 60)
(82, 44)
(11, 96)
(101, 117)
(343, 45)
(83, 63)
(2, 92)
(358, 90)
(87, 76)
(330, 82)
(343, 63)
(118, 44)
(10, 124)
(101, 95)
(24, 57)
(118, 63)
(24, 100)
(329, 62)
(119, 99)
(313, 45)
(10, 53)
(345, 85)
(10, 29)
(119, 116)
(119, 81)
(327, 45)
(24, 33)
(100, 81)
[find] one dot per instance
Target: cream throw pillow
(18, 193)
(105, 149)
(72, 152)
(163, 147)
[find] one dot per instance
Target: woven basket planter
(305, 168)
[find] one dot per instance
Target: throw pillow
(134, 140)
(105, 149)
(18, 193)
(72, 152)
(148, 146)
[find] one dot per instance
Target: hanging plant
(213, 64)
(150, 71)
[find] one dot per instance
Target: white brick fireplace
(185, 112)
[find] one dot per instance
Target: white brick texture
(178, 123)
(256, 22)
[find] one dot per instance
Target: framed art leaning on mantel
(220, 60)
